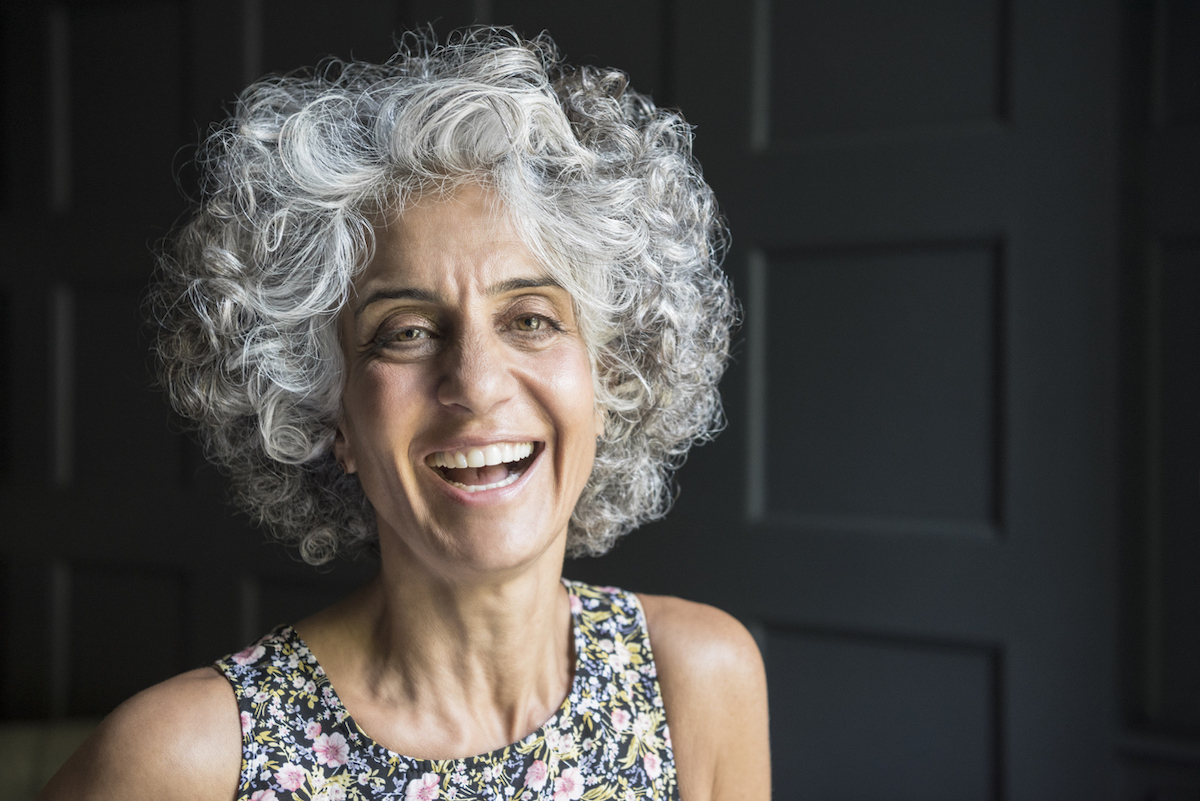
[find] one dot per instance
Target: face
(468, 409)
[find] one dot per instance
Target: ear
(341, 452)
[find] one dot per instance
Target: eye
(530, 322)
(401, 336)
(408, 334)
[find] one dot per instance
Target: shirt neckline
(359, 736)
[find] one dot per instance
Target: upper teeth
(499, 453)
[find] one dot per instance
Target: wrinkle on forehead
(443, 239)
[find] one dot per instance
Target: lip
(497, 495)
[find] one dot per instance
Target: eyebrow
(425, 296)
(402, 293)
(513, 284)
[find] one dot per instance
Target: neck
(418, 622)
(485, 658)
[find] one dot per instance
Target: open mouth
(478, 469)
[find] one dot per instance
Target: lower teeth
(504, 482)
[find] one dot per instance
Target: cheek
(570, 386)
(374, 403)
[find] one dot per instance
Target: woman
(462, 309)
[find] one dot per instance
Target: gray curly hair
(601, 186)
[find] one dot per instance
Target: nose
(477, 375)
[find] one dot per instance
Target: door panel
(880, 391)
(926, 713)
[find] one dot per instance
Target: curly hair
(601, 186)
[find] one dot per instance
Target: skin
(456, 337)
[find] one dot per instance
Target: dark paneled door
(921, 514)
(914, 501)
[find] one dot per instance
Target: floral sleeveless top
(608, 740)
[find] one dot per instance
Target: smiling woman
(462, 349)
(463, 310)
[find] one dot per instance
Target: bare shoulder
(178, 739)
(702, 641)
(714, 692)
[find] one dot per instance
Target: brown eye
(400, 336)
(409, 334)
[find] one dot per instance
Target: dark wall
(1160, 612)
(958, 496)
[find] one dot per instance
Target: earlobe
(341, 452)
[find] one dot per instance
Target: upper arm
(178, 739)
(715, 695)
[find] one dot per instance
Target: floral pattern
(608, 740)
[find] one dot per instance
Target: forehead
(444, 240)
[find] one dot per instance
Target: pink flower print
(336, 793)
(620, 719)
(310, 687)
(606, 646)
(263, 795)
(312, 729)
(290, 777)
(422, 789)
(569, 786)
(261, 697)
(624, 656)
(642, 726)
(249, 654)
(667, 735)
(331, 750)
(576, 605)
(247, 722)
(535, 777)
(653, 765)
